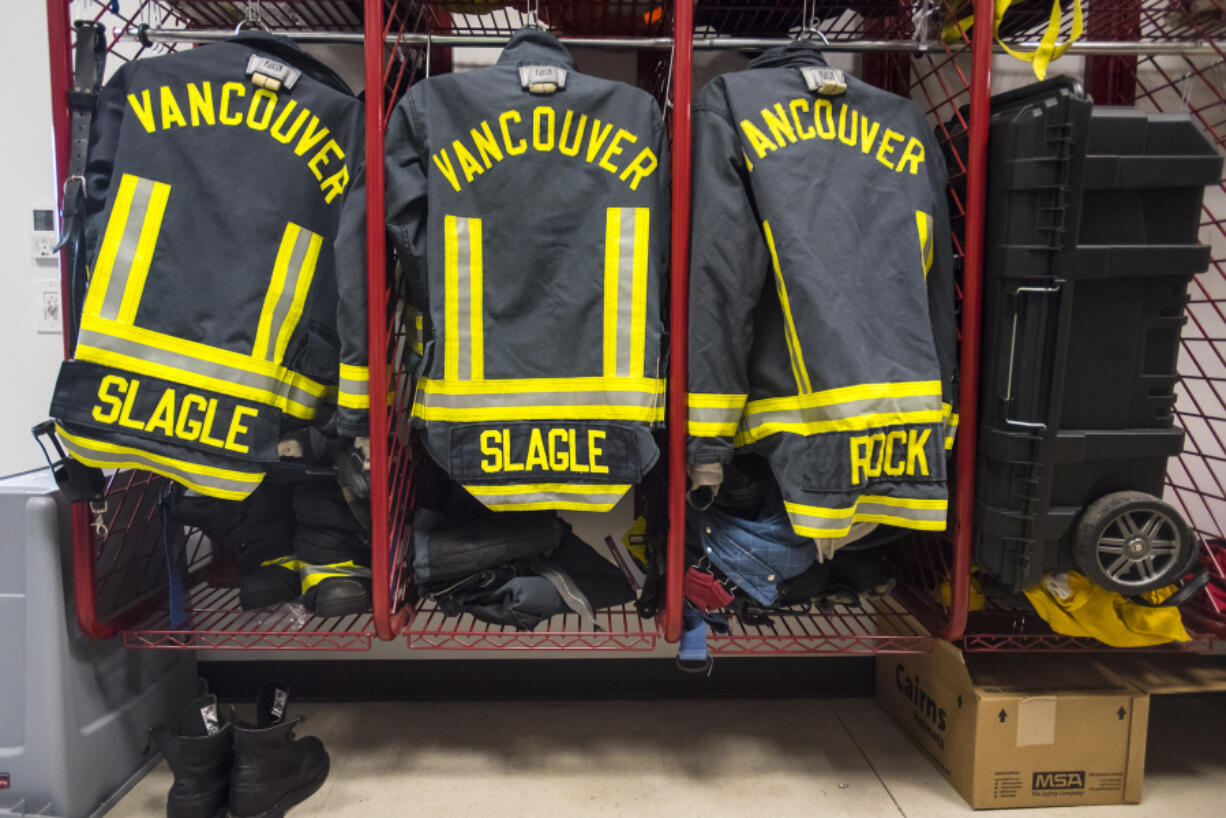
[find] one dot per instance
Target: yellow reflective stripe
(928, 504)
(560, 505)
(798, 361)
(206, 353)
(451, 299)
(418, 341)
(557, 488)
(848, 424)
(710, 400)
(280, 269)
(312, 575)
(846, 394)
(354, 388)
(116, 226)
(638, 291)
(924, 225)
(644, 414)
(913, 513)
(951, 424)
(612, 280)
(883, 519)
(712, 428)
(225, 484)
(530, 386)
(134, 284)
(140, 366)
(288, 563)
(303, 275)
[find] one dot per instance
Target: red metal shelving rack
(1160, 56)
(937, 76)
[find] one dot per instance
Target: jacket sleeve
(406, 220)
(728, 265)
(941, 299)
(353, 398)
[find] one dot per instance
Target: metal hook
(429, 41)
(253, 17)
(533, 12)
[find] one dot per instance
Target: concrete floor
(695, 759)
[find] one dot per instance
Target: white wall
(30, 360)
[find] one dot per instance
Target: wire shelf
(284, 15)
(216, 622)
(620, 629)
(580, 18)
(885, 625)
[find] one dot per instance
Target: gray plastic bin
(74, 713)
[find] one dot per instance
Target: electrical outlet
(42, 245)
(48, 308)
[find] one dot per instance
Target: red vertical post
(376, 297)
(972, 305)
(678, 313)
(59, 42)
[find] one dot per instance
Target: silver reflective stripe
(625, 293)
(334, 570)
(207, 369)
(285, 298)
(128, 244)
(353, 386)
(597, 498)
(713, 414)
(586, 398)
(463, 326)
(840, 519)
(208, 484)
(815, 414)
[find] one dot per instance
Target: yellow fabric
(1048, 49)
(1109, 617)
(977, 599)
(635, 539)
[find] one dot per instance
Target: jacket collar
(286, 49)
(534, 46)
(798, 52)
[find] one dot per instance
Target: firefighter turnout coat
(528, 204)
(227, 300)
(821, 295)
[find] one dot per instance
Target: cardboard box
(1021, 731)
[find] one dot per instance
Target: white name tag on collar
(270, 74)
(825, 81)
(542, 79)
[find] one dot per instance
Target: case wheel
(1132, 542)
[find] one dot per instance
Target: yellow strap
(1048, 49)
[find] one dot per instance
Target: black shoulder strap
(82, 98)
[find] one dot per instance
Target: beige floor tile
(741, 759)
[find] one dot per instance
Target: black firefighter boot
(200, 758)
(272, 770)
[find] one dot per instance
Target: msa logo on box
(1074, 780)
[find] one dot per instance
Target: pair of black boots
(253, 771)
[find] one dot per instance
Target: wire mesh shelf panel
(286, 15)
(1196, 480)
(837, 20)
(580, 18)
(884, 625)
(1115, 21)
(620, 629)
(216, 622)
